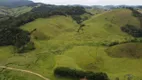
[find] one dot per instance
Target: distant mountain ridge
(15, 3)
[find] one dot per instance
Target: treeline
(73, 11)
(44, 11)
(11, 34)
(7, 38)
(132, 30)
(77, 74)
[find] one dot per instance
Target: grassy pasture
(59, 45)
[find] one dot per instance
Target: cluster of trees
(76, 74)
(135, 13)
(132, 30)
(13, 36)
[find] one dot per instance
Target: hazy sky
(91, 2)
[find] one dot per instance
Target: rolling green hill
(106, 26)
(58, 44)
(5, 11)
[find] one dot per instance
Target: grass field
(59, 45)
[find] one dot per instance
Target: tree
(77, 74)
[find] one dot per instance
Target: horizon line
(92, 4)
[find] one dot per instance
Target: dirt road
(25, 71)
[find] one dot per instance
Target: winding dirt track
(25, 71)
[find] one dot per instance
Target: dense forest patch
(78, 74)
(13, 36)
(132, 30)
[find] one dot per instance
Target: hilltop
(15, 3)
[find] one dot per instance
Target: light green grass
(106, 26)
(61, 46)
(53, 26)
(6, 52)
(87, 55)
(115, 67)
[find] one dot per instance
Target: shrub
(96, 76)
(67, 72)
(76, 74)
(113, 43)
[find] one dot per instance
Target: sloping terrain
(45, 51)
(58, 44)
(106, 26)
(128, 50)
(7, 12)
(15, 75)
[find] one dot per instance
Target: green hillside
(6, 12)
(53, 26)
(58, 44)
(106, 26)
(128, 50)
(14, 11)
